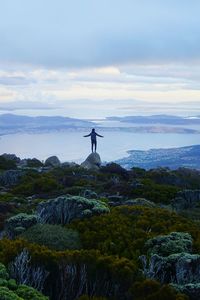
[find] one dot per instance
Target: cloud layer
(78, 33)
(97, 58)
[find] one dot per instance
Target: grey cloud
(80, 33)
(15, 80)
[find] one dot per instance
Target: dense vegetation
(80, 234)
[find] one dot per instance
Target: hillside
(158, 119)
(10, 123)
(173, 158)
(97, 232)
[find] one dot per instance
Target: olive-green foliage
(182, 177)
(9, 290)
(100, 270)
(165, 245)
(152, 290)
(126, 229)
(53, 236)
(7, 164)
(113, 168)
(37, 185)
(34, 163)
(6, 294)
(3, 272)
(158, 193)
(29, 293)
(18, 223)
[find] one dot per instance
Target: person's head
(93, 130)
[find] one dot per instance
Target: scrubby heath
(71, 232)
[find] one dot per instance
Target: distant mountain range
(10, 123)
(173, 158)
(158, 119)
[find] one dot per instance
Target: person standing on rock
(93, 136)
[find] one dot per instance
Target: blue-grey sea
(72, 146)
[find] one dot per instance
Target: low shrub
(53, 236)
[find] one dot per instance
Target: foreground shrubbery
(53, 236)
(95, 253)
(73, 273)
(10, 290)
(126, 229)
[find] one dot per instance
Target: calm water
(71, 146)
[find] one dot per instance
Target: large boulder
(92, 162)
(52, 161)
(63, 210)
(186, 199)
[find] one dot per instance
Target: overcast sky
(97, 58)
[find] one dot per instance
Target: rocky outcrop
(92, 162)
(19, 223)
(186, 199)
(63, 210)
(52, 161)
(10, 177)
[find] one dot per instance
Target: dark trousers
(94, 145)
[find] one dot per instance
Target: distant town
(172, 158)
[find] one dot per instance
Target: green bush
(6, 294)
(3, 272)
(53, 236)
(38, 185)
(126, 229)
(18, 223)
(9, 290)
(152, 290)
(28, 293)
(7, 164)
(34, 163)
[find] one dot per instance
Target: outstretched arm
(99, 135)
(87, 135)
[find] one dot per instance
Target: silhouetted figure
(93, 135)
